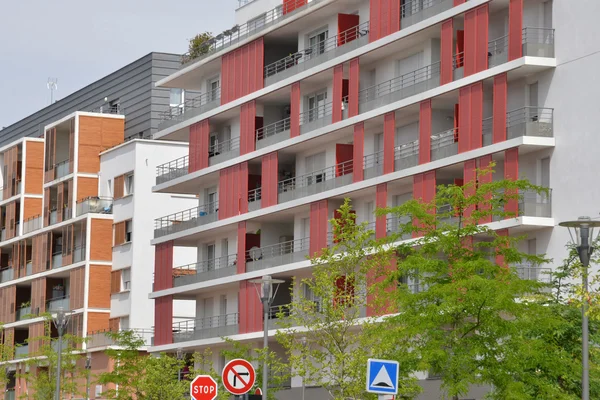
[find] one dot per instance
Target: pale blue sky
(80, 41)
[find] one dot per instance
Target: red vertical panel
(460, 48)
(193, 148)
(241, 247)
(484, 163)
(295, 110)
(324, 223)
(243, 127)
(425, 132)
(246, 69)
(198, 150)
(469, 178)
(464, 120)
(233, 79)
(318, 226)
(224, 78)
(343, 154)
(381, 202)
(240, 73)
(247, 127)
(511, 172)
(417, 195)
(223, 193)
(260, 64)
(447, 39)
(375, 23)
(163, 266)
(358, 152)
(163, 320)
(204, 143)
(243, 184)
(394, 16)
(515, 29)
(338, 77)
(458, 2)
(476, 116)
(373, 309)
(345, 23)
(482, 19)
(470, 41)
(291, 5)
(500, 108)
(500, 258)
(389, 137)
(428, 186)
(235, 190)
(269, 180)
(250, 309)
(384, 18)
(354, 87)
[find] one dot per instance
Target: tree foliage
(198, 46)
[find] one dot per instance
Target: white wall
(253, 9)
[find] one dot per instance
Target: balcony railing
(538, 42)
(400, 87)
(9, 394)
(57, 259)
(191, 108)
(444, 144)
(534, 272)
(316, 117)
(413, 11)
(254, 199)
(204, 328)
(315, 182)
(406, 155)
(6, 274)
(55, 303)
(32, 224)
(21, 351)
(23, 313)
(186, 219)
(225, 150)
(318, 53)
(273, 133)
(172, 170)
(532, 204)
(260, 258)
(62, 169)
(373, 165)
(524, 121)
(95, 205)
(205, 270)
(102, 339)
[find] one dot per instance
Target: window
(128, 231)
(210, 256)
(317, 43)
(176, 97)
(212, 88)
(316, 106)
(110, 188)
(128, 184)
(126, 279)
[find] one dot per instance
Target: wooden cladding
(97, 134)
(114, 324)
(97, 322)
(101, 240)
(119, 187)
(115, 282)
(12, 172)
(34, 167)
(119, 233)
(12, 210)
(21, 255)
(7, 304)
(32, 208)
(77, 286)
(38, 296)
(86, 188)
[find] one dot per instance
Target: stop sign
(203, 387)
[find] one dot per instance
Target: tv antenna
(52, 86)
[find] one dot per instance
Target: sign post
(203, 387)
(238, 376)
(382, 377)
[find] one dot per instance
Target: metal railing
(309, 118)
(272, 131)
(55, 303)
(186, 219)
(172, 169)
(373, 165)
(201, 271)
(202, 103)
(259, 258)
(107, 108)
(315, 51)
(533, 272)
(315, 182)
(102, 338)
(538, 42)
(530, 121)
(413, 11)
(254, 199)
(207, 327)
(96, 205)
(242, 3)
(240, 32)
(406, 155)
(444, 144)
(222, 151)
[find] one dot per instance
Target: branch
(478, 323)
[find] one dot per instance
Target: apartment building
(304, 103)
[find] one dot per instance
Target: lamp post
(264, 287)
(88, 367)
(61, 320)
(304, 343)
(582, 235)
(179, 358)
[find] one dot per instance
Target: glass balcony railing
(54, 304)
(57, 260)
(95, 205)
(260, 258)
(23, 313)
(187, 219)
(62, 169)
(32, 224)
(205, 270)
(21, 351)
(205, 328)
(102, 339)
(9, 394)
(534, 272)
(524, 121)
(7, 274)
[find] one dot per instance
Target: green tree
(335, 339)
(198, 46)
(40, 373)
(461, 305)
(6, 352)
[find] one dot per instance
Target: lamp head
(264, 287)
(179, 353)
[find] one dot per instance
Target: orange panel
(97, 321)
(97, 134)
(101, 240)
(34, 167)
(99, 296)
(86, 187)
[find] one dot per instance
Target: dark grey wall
(132, 85)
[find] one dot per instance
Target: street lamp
(61, 320)
(304, 343)
(88, 367)
(179, 358)
(264, 288)
(582, 235)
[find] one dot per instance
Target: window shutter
(119, 186)
(115, 282)
(119, 232)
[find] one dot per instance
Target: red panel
(269, 180)
(338, 77)
(381, 202)
(375, 21)
(389, 136)
(250, 308)
(241, 247)
(511, 172)
(476, 116)
(481, 62)
(470, 177)
(499, 258)
(345, 24)
(417, 195)
(354, 87)
(199, 142)
(259, 55)
(246, 70)
(163, 320)
(243, 184)
(464, 120)
(248, 127)
(515, 29)
(500, 108)
(484, 162)
(470, 41)
(295, 110)
(324, 221)
(291, 5)
(384, 18)
(224, 78)
(358, 152)
(446, 52)
(163, 266)
(425, 132)
(318, 226)
(242, 71)
(429, 186)
(460, 48)
(458, 2)
(344, 153)
(374, 310)
(394, 15)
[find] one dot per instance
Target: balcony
(223, 151)
(9, 394)
(61, 169)
(534, 272)
(373, 165)
(57, 260)
(318, 53)
(532, 204)
(444, 144)
(525, 121)
(273, 133)
(205, 270)
(406, 155)
(277, 254)
(190, 108)
(315, 118)
(6, 274)
(23, 313)
(254, 199)
(315, 182)
(172, 170)
(32, 224)
(205, 328)
(187, 219)
(21, 351)
(54, 304)
(102, 339)
(95, 205)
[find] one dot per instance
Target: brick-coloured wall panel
(32, 208)
(34, 167)
(95, 135)
(97, 321)
(38, 296)
(101, 240)
(99, 293)
(86, 187)
(77, 281)
(7, 304)
(115, 282)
